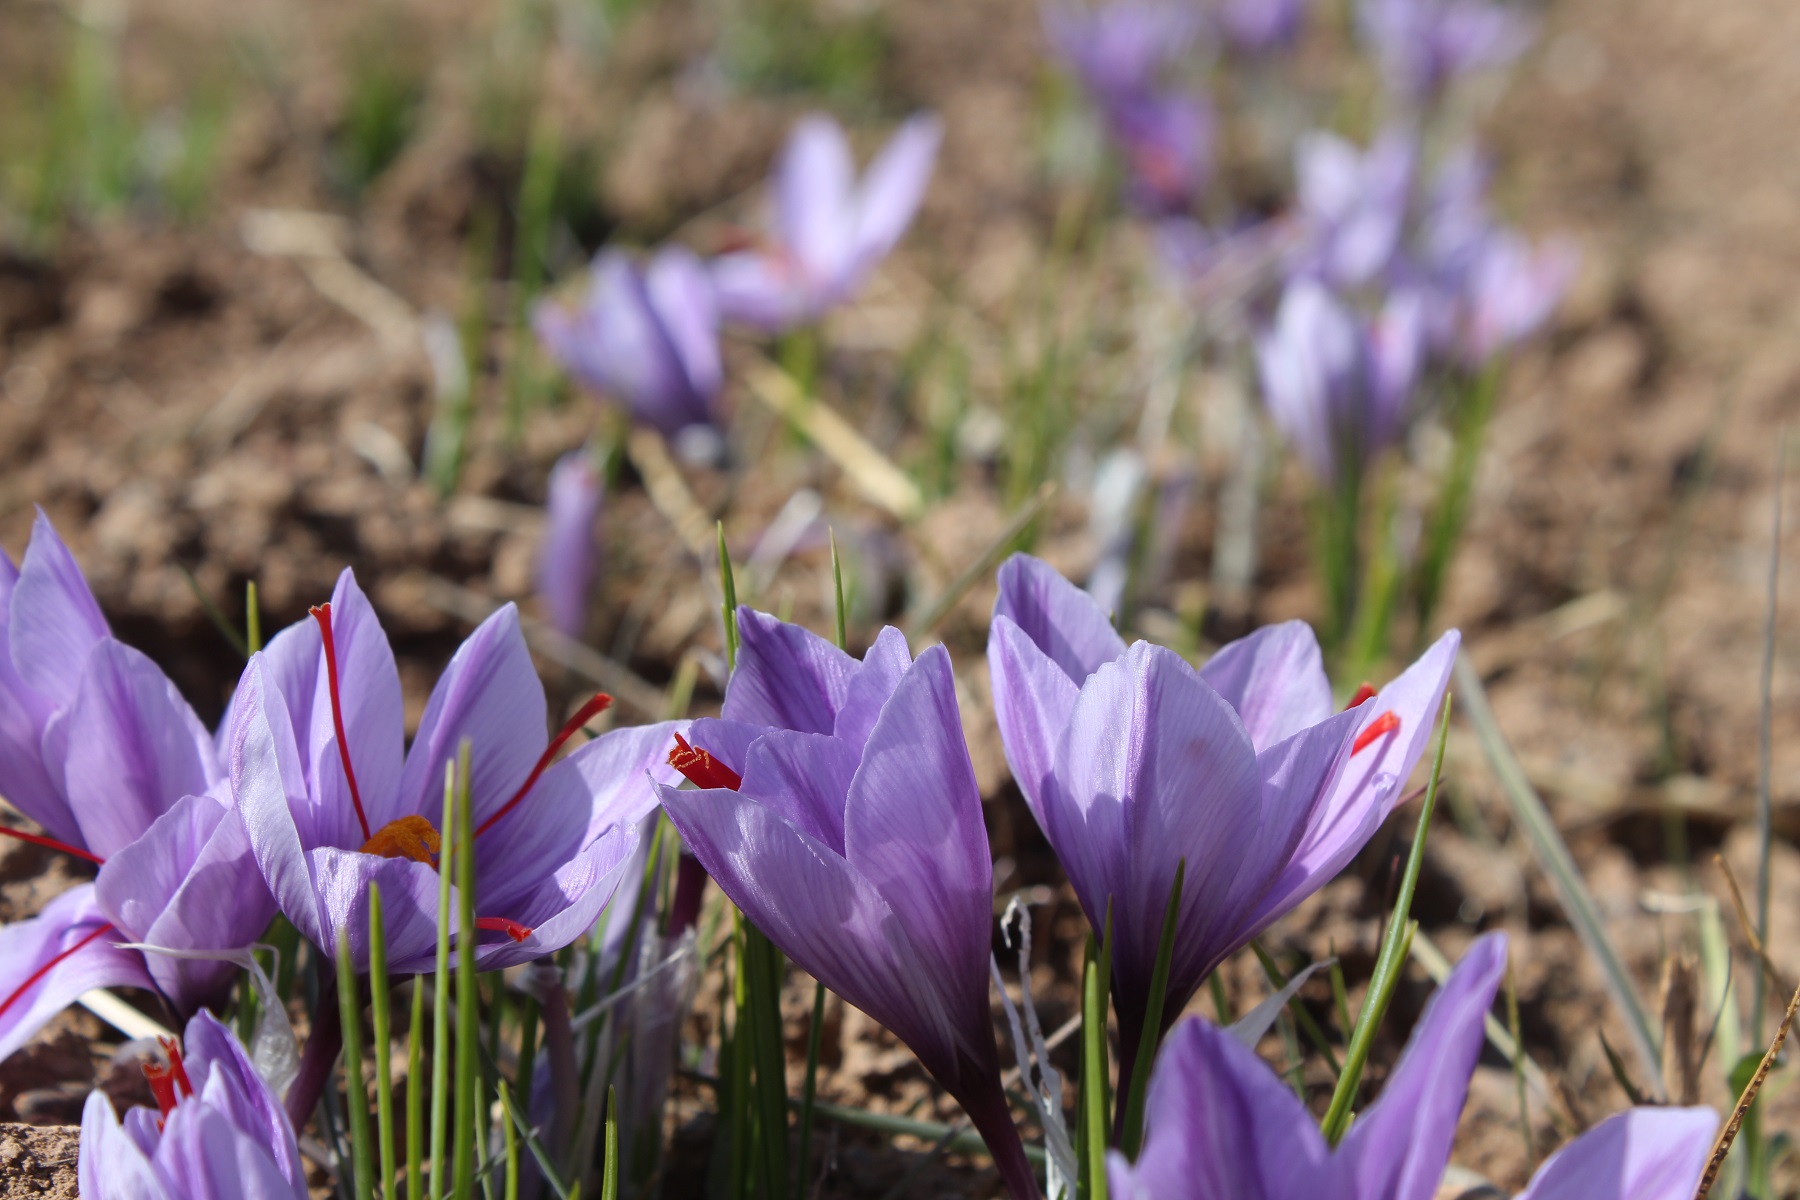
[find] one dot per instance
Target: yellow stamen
(409, 837)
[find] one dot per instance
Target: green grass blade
(1131, 1133)
(609, 1182)
(356, 1096)
(511, 1135)
(837, 590)
(1553, 853)
(1095, 1119)
(533, 1144)
(468, 1017)
(381, 1007)
(809, 1096)
(728, 608)
(763, 964)
(252, 619)
(1278, 980)
(1389, 962)
(440, 1010)
(415, 1094)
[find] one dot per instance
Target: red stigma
(1365, 692)
(511, 929)
(322, 614)
(162, 1086)
(701, 768)
(598, 704)
(1386, 723)
(37, 976)
(37, 839)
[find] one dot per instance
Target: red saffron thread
(593, 708)
(1386, 723)
(511, 929)
(162, 1086)
(1365, 692)
(701, 768)
(37, 976)
(172, 1048)
(322, 614)
(39, 840)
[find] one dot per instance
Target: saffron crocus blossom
(1132, 761)
(221, 1133)
(829, 229)
(1352, 205)
(333, 801)
(1337, 385)
(1220, 1125)
(1166, 139)
(1259, 26)
(647, 338)
(1639, 1154)
(1119, 50)
(1425, 45)
(852, 836)
(98, 747)
(569, 556)
(1510, 291)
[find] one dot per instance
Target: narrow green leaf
(214, 614)
(381, 1008)
(810, 1095)
(1389, 962)
(534, 1144)
(1096, 1117)
(1340, 994)
(1278, 980)
(468, 1017)
(1131, 1134)
(1620, 1073)
(728, 588)
(440, 1005)
(415, 1094)
(510, 1134)
(609, 1182)
(356, 1096)
(252, 619)
(837, 588)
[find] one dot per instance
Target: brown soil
(175, 400)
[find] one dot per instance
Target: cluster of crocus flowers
(333, 800)
(1423, 46)
(1221, 1124)
(98, 747)
(838, 809)
(219, 1133)
(1239, 774)
(647, 337)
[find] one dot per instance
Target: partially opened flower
(221, 1133)
(1335, 384)
(830, 230)
(1426, 45)
(1511, 290)
(1351, 205)
(646, 338)
(568, 558)
(1639, 1154)
(1133, 761)
(852, 836)
(333, 800)
(98, 747)
(1221, 1125)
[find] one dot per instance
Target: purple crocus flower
(1219, 1123)
(1131, 761)
(1259, 26)
(1336, 385)
(1426, 45)
(648, 338)
(1166, 139)
(1222, 1126)
(1119, 50)
(1511, 289)
(221, 1134)
(1639, 1154)
(98, 747)
(333, 802)
(851, 834)
(569, 556)
(1352, 205)
(829, 230)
